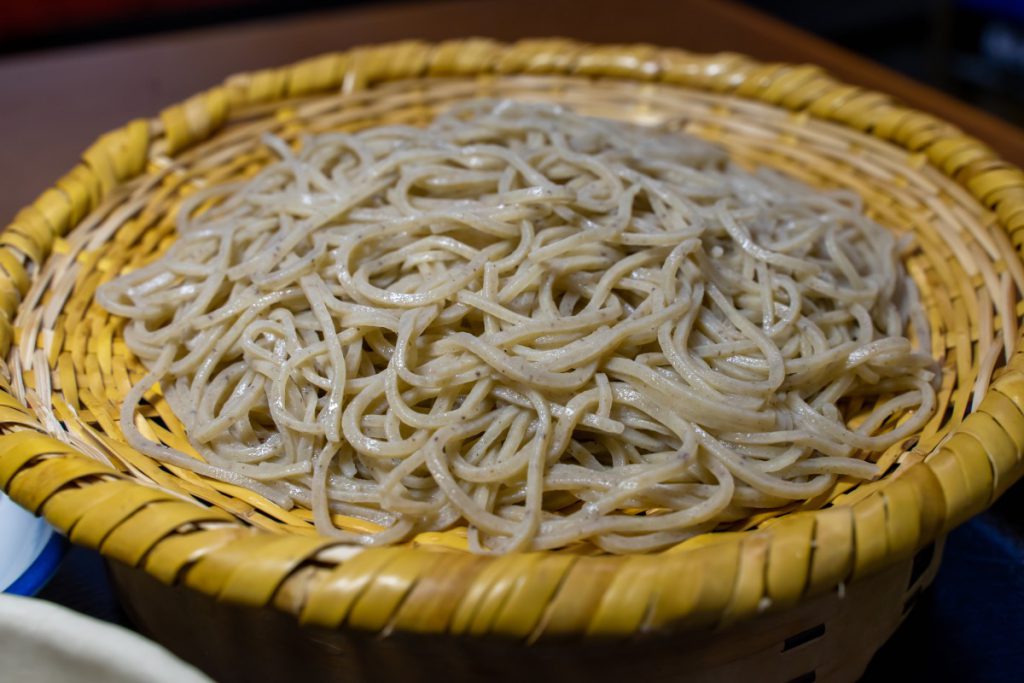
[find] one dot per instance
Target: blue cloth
(970, 625)
(996, 9)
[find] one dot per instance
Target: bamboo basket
(248, 590)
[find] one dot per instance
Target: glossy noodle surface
(545, 327)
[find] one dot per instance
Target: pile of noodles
(545, 327)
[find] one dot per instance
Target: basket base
(831, 637)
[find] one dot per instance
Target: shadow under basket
(248, 590)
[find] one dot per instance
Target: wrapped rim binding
(62, 454)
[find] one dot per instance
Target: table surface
(54, 103)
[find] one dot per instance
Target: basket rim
(732, 576)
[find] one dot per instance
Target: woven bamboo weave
(62, 454)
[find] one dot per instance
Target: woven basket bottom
(829, 638)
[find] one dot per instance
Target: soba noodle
(546, 327)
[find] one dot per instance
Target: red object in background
(40, 19)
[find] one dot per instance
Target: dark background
(968, 627)
(972, 49)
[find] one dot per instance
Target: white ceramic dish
(30, 550)
(44, 643)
